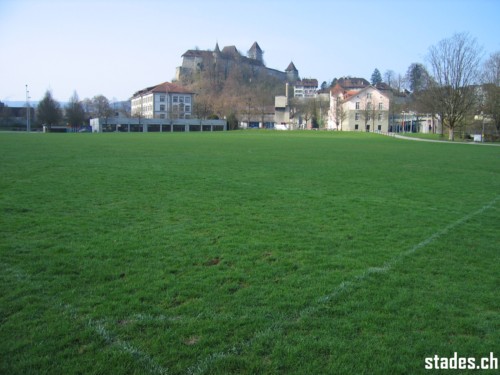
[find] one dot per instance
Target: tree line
(76, 113)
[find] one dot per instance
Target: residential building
(305, 88)
(164, 101)
(358, 109)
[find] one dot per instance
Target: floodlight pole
(28, 128)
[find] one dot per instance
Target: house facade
(305, 88)
(163, 101)
(358, 109)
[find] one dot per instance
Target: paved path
(438, 141)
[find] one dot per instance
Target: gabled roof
(165, 87)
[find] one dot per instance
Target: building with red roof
(164, 101)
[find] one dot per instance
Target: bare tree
(454, 62)
(339, 113)
(389, 77)
(491, 88)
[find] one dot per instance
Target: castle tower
(256, 53)
(217, 49)
(292, 74)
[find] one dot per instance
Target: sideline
(203, 365)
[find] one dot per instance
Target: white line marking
(144, 359)
(203, 365)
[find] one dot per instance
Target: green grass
(245, 252)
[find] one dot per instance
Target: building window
(175, 99)
(380, 116)
(369, 95)
(162, 115)
(357, 105)
(356, 127)
(162, 107)
(187, 108)
(380, 127)
(188, 99)
(162, 98)
(181, 99)
(380, 106)
(369, 105)
(356, 116)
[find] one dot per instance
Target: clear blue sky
(115, 48)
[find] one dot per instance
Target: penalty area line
(203, 365)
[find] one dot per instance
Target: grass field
(245, 252)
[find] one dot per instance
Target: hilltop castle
(224, 60)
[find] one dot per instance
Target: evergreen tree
(75, 114)
(376, 77)
(48, 111)
(417, 77)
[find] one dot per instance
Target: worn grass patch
(245, 252)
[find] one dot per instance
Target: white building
(163, 101)
(305, 88)
(365, 109)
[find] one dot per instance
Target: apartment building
(164, 101)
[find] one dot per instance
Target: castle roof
(291, 68)
(255, 47)
(230, 50)
(196, 53)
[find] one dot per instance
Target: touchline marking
(139, 356)
(202, 366)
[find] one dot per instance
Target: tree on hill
(389, 78)
(48, 111)
(222, 92)
(376, 77)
